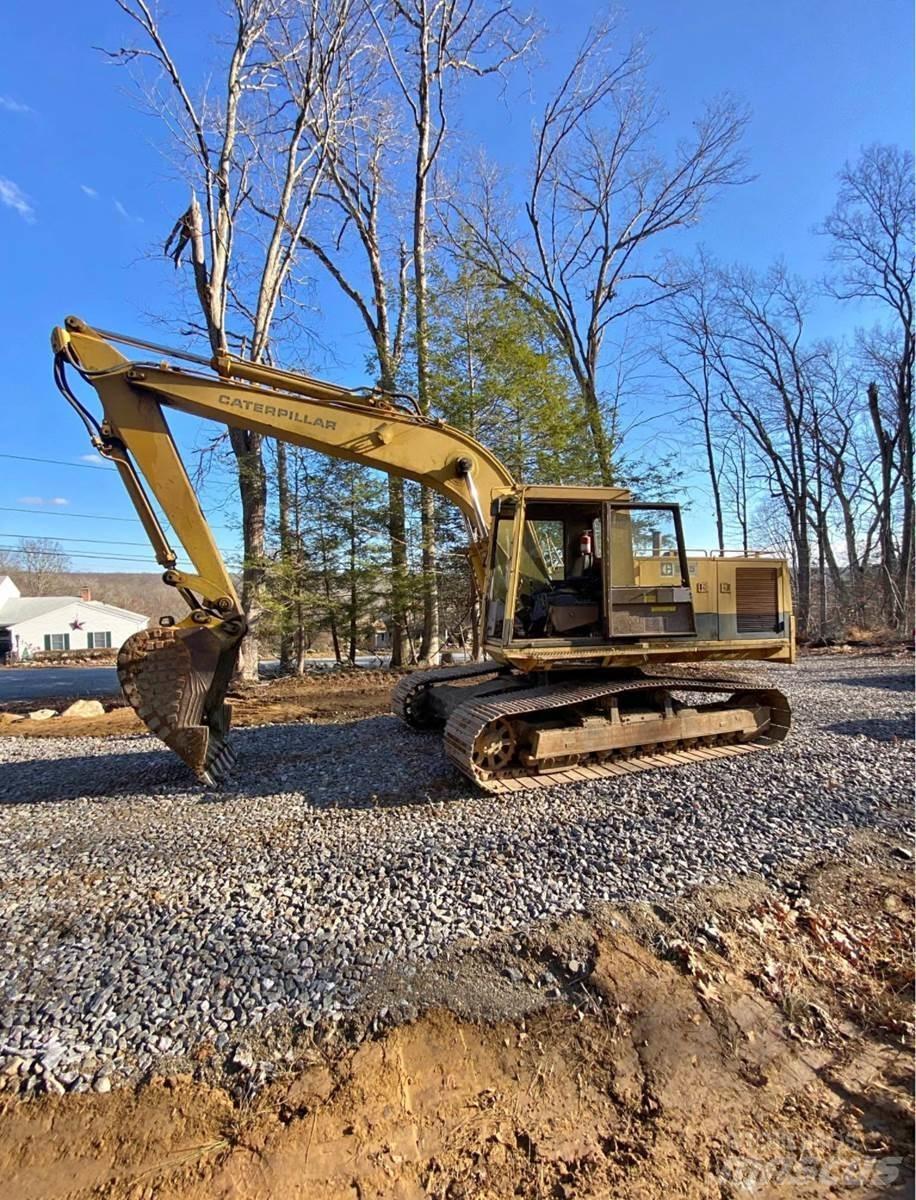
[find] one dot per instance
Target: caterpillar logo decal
(271, 410)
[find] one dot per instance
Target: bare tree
(688, 350)
(735, 484)
(358, 244)
(599, 194)
(429, 45)
(768, 377)
(39, 565)
(871, 230)
(267, 136)
(846, 457)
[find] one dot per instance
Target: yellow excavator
(587, 596)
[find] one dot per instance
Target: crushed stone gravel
(141, 916)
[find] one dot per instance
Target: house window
(99, 641)
(57, 641)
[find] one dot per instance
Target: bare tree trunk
(287, 563)
(397, 501)
(429, 642)
(907, 481)
(600, 439)
(738, 485)
(253, 496)
(329, 598)
(354, 587)
(397, 536)
(300, 639)
(888, 555)
(713, 469)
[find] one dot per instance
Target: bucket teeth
(175, 679)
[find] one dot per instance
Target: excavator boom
(581, 587)
(176, 676)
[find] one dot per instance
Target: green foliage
(497, 372)
(329, 576)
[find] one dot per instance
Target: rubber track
(466, 723)
(407, 697)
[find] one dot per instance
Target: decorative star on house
(77, 624)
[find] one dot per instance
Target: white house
(32, 623)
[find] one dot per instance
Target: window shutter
(47, 641)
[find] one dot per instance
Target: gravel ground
(140, 916)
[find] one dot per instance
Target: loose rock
(150, 917)
(84, 708)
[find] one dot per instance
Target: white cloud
(40, 500)
(12, 195)
(31, 500)
(92, 458)
(59, 500)
(89, 191)
(13, 106)
(122, 212)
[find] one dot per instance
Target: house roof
(25, 608)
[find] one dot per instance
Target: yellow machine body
(580, 587)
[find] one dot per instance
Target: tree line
(808, 440)
(323, 143)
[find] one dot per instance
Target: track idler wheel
(495, 745)
(175, 679)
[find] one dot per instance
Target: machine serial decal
(270, 410)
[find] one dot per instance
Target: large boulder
(7, 718)
(84, 708)
(42, 714)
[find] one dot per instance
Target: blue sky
(87, 195)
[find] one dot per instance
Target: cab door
(647, 577)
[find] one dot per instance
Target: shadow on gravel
(879, 729)
(902, 682)
(93, 776)
(351, 765)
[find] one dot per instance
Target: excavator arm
(176, 676)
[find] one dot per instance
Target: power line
(36, 512)
(95, 541)
(39, 512)
(56, 462)
(89, 554)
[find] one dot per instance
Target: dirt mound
(735, 1044)
(324, 696)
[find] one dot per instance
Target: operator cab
(582, 571)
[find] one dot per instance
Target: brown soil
(733, 1044)
(323, 697)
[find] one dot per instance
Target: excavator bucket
(175, 679)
